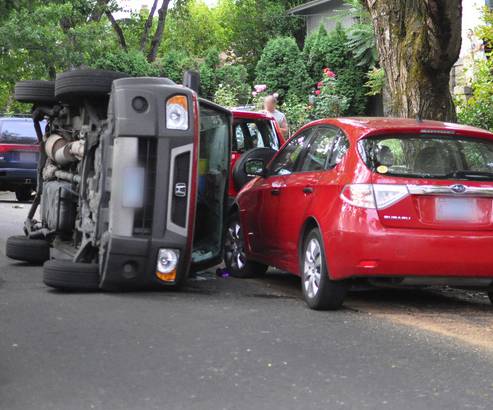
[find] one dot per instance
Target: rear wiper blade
(470, 174)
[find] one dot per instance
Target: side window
(341, 146)
(320, 149)
(285, 162)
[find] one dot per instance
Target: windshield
(18, 132)
(215, 134)
(429, 156)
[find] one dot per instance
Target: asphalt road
(237, 344)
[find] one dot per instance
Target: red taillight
(373, 196)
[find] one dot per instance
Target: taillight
(373, 196)
(360, 195)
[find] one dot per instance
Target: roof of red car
(358, 127)
(251, 114)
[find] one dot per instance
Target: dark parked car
(19, 152)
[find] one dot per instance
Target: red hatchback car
(368, 198)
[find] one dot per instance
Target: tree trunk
(158, 34)
(148, 26)
(418, 43)
(118, 29)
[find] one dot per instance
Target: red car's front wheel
(234, 253)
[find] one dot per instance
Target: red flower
(320, 84)
(317, 92)
(329, 73)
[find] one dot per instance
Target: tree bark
(118, 29)
(158, 34)
(148, 26)
(418, 42)
(99, 10)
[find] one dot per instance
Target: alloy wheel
(234, 247)
(312, 268)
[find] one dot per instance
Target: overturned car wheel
(35, 92)
(68, 275)
(22, 248)
(72, 85)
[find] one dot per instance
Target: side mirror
(255, 167)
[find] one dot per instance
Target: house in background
(330, 12)
(326, 12)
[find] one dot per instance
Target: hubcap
(312, 269)
(234, 248)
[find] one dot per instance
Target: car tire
(35, 92)
(24, 194)
(234, 252)
(67, 275)
(240, 177)
(319, 291)
(22, 248)
(72, 85)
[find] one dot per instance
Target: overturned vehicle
(132, 181)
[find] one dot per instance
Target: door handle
(308, 190)
(275, 192)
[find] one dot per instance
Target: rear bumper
(12, 177)
(375, 251)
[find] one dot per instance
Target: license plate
(28, 157)
(456, 209)
(133, 187)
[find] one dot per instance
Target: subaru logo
(458, 188)
(181, 190)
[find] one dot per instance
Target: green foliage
(329, 102)
(236, 77)
(133, 63)
(297, 112)
(225, 95)
(250, 24)
(376, 81)
(361, 43)
(478, 110)
(174, 63)
(323, 50)
(282, 68)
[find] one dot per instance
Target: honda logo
(180, 190)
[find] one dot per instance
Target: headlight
(177, 113)
(167, 260)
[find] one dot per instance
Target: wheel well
(309, 224)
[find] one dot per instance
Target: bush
(282, 69)
(328, 101)
(235, 76)
(324, 49)
(174, 64)
(133, 63)
(297, 112)
(226, 96)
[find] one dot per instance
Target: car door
(298, 192)
(266, 195)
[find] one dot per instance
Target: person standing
(270, 107)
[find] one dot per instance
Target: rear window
(249, 134)
(17, 132)
(429, 156)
